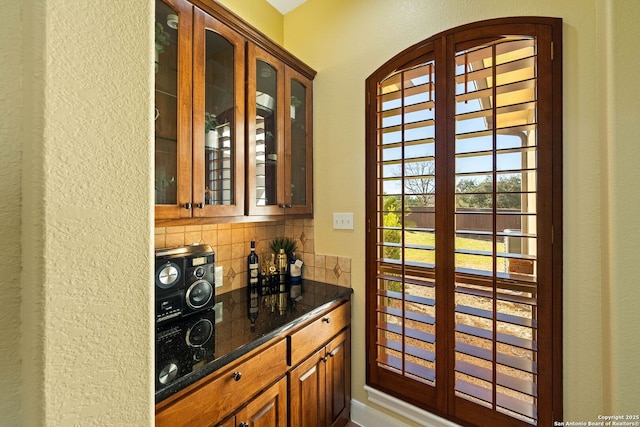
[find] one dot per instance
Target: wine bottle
(253, 274)
(253, 264)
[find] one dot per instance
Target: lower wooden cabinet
(320, 387)
(338, 380)
(301, 381)
(268, 409)
(306, 391)
(222, 393)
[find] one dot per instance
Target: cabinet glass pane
(266, 138)
(298, 116)
(166, 105)
(219, 120)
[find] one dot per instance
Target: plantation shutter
(496, 144)
(465, 187)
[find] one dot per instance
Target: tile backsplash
(232, 243)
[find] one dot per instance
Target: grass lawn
(476, 262)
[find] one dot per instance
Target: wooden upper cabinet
(212, 161)
(199, 114)
(279, 137)
(173, 78)
(218, 118)
(265, 132)
(298, 143)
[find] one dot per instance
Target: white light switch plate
(343, 221)
(219, 277)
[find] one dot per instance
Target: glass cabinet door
(265, 107)
(218, 122)
(172, 66)
(299, 143)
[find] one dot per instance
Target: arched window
(464, 211)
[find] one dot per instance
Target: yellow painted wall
(345, 41)
(76, 217)
(10, 176)
(76, 221)
(75, 184)
(260, 14)
(620, 204)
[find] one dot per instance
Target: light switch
(343, 221)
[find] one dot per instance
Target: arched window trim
(441, 48)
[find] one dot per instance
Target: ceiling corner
(285, 6)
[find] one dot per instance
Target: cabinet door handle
(324, 359)
(187, 205)
(236, 376)
(326, 320)
(200, 205)
(333, 353)
(243, 425)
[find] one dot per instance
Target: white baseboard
(367, 416)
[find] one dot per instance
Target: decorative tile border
(231, 243)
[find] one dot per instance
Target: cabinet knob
(243, 425)
(324, 359)
(187, 205)
(236, 376)
(200, 205)
(326, 320)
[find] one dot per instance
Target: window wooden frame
(441, 398)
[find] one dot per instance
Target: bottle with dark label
(253, 264)
(253, 284)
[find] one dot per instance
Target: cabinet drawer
(218, 397)
(318, 333)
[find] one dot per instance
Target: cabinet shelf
(162, 92)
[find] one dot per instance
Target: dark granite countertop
(234, 336)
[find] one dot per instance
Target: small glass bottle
(282, 267)
(295, 270)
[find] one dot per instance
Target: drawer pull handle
(326, 320)
(236, 376)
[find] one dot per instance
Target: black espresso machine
(184, 315)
